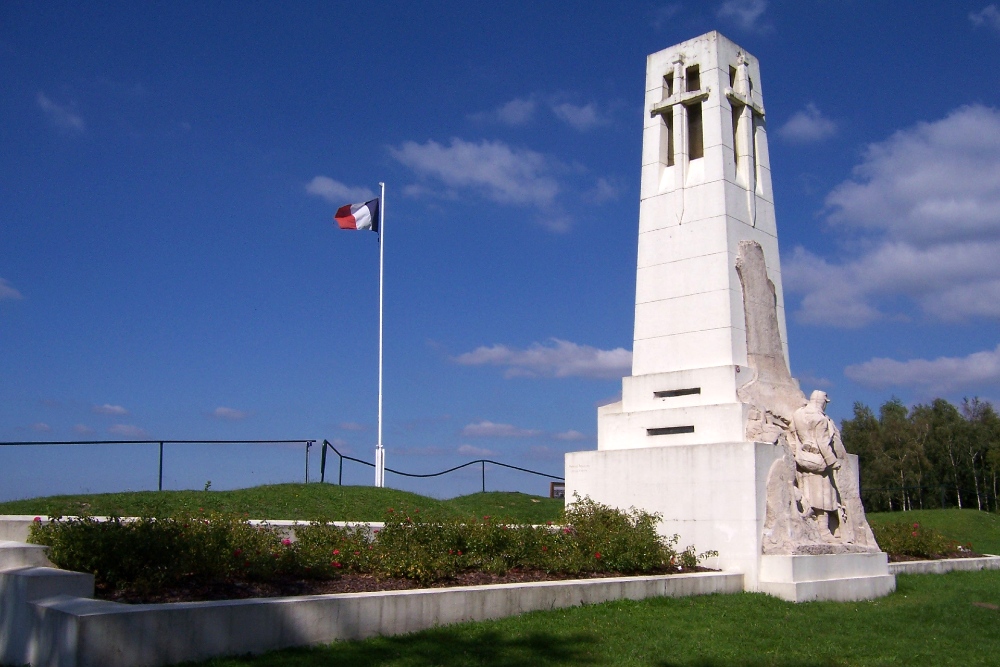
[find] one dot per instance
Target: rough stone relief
(813, 504)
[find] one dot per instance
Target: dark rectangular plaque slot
(677, 392)
(670, 430)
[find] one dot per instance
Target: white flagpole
(379, 451)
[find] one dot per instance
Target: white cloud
(503, 174)
(62, 117)
(351, 426)
(228, 414)
(8, 292)
(108, 409)
(127, 431)
(920, 219)
(988, 16)
(938, 376)
(519, 111)
(604, 190)
(488, 429)
(431, 450)
(41, 427)
(662, 16)
(744, 13)
(559, 359)
(83, 429)
(469, 450)
(581, 118)
(569, 436)
(338, 193)
(807, 126)
(516, 112)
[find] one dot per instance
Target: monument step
(848, 589)
(14, 555)
(842, 577)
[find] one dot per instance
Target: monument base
(712, 496)
(840, 577)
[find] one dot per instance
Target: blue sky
(169, 268)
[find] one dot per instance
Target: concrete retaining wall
(71, 630)
(946, 565)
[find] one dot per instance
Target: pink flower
(914, 533)
(915, 526)
(545, 548)
(336, 552)
(459, 552)
(598, 555)
(335, 564)
(548, 523)
(286, 541)
(37, 519)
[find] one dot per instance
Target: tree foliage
(930, 455)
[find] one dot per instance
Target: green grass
(982, 529)
(293, 501)
(930, 620)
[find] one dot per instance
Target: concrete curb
(945, 565)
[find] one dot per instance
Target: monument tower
(705, 418)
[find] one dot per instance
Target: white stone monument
(705, 431)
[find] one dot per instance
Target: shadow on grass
(444, 647)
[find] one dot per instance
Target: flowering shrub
(146, 553)
(911, 539)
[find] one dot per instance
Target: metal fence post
(159, 486)
(340, 475)
(322, 462)
(308, 445)
(484, 476)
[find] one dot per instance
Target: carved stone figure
(813, 504)
(819, 452)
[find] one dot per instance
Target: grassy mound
(304, 502)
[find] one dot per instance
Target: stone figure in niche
(819, 453)
(813, 504)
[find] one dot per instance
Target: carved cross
(742, 94)
(682, 97)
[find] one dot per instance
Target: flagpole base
(379, 467)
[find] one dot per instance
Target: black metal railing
(481, 462)
(159, 486)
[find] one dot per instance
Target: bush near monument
(904, 540)
(144, 555)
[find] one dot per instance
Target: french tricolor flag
(358, 216)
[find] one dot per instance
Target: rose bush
(145, 553)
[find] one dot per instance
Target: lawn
(947, 619)
(293, 501)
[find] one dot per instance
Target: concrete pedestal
(841, 577)
(713, 496)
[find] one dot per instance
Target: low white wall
(49, 629)
(945, 565)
